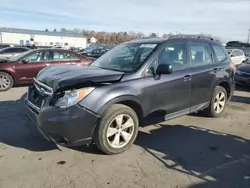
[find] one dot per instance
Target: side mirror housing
(24, 61)
(231, 55)
(164, 69)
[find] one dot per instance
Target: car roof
(174, 38)
(52, 49)
(15, 47)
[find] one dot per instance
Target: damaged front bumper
(73, 126)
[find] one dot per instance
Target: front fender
(118, 100)
(101, 98)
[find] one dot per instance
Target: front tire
(218, 102)
(117, 130)
(6, 81)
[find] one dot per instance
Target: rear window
(219, 52)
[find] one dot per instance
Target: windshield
(20, 56)
(126, 57)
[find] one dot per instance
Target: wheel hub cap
(120, 131)
(4, 82)
(219, 102)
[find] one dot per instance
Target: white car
(237, 56)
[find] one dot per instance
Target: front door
(168, 95)
(30, 65)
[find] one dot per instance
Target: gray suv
(136, 83)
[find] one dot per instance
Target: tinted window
(219, 52)
(4, 46)
(200, 54)
(9, 50)
(174, 54)
(58, 56)
(20, 50)
(38, 56)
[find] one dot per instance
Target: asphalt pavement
(192, 152)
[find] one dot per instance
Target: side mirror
(232, 55)
(24, 61)
(164, 69)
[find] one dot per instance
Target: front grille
(38, 95)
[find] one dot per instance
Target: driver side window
(38, 57)
(174, 54)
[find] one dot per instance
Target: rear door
(31, 64)
(59, 57)
(203, 73)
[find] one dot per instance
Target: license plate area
(35, 98)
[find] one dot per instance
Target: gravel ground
(191, 151)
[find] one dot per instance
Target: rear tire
(6, 81)
(117, 130)
(217, 103)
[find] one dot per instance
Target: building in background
(25, 37)
(93, 40)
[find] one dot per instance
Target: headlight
(71, 98)
(238, 72)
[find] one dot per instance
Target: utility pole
(248, 38)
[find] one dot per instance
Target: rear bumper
(73, 126)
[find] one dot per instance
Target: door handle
(216, 69)
(47, 64)
(187, 78)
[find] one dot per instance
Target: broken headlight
(72, 97)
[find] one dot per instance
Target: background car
(22, 68)
(96, 53)
(12, 51)
(237, 44)
(5, 45)
(237, 56)
(242, 73)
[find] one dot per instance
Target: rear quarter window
(219, 53)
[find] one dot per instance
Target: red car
(23, 68)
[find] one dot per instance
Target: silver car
(6, 53)
(237, 56)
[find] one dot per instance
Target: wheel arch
(128, 100)
(226, 86)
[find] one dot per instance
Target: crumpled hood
(66, 77)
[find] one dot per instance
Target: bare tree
(153, 35)
(140, 35)
(63, 30)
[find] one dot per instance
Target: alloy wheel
(4, 82)
(120, 131)
(219, 102)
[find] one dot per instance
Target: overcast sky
(229, 19)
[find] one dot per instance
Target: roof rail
(190, 36)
